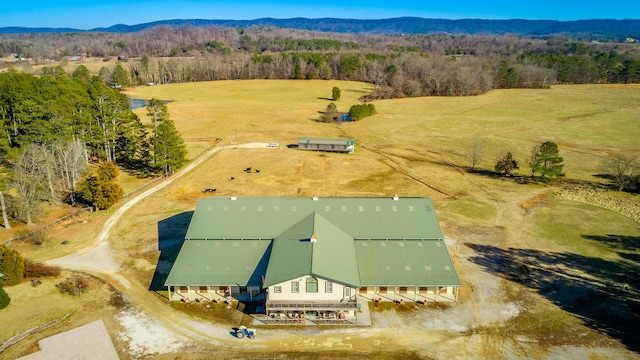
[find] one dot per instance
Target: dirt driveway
(480, 326)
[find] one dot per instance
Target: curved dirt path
(435, 334)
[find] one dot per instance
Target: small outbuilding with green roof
(314, 256)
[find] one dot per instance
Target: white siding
(335, 295)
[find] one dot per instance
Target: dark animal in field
(257, 170)
(232, 178)
(210, 190)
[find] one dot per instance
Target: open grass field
(576, 255)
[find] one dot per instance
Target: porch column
(415, 294)
(169, 291)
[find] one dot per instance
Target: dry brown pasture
(575, 254)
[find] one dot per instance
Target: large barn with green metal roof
(313, 256)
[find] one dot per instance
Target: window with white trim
(312, 285)
(277, 289)
(295, 287)
(328, 287)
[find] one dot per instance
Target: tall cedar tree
(546, 160)
(170, 151)
(11, 265)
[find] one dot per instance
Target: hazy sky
(87, 14)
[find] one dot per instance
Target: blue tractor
(242, 331)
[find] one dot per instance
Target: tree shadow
(604, 294)
(620, 242)
(171, 233)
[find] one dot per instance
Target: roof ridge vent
(395, 197)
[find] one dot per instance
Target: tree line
(54, 126)
(398, 66)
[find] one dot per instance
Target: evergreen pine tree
(169, 148)
(4, 298)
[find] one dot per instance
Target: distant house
(122, 58)
(327, 144)
(313, 258)
(77, 58)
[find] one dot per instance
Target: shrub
(335, 93)
(73, 286)
(11, 266)
(37, 238)
(4, 299)
(118, 300)
(357, 112)
(38, 269)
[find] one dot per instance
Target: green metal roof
(331, 256)
(341, 225)
(326, 141)
(220, 262)
(362, 218)
(405, 263)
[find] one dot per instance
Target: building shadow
(604, 294)
(171, 233)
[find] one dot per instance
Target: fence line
(55, 222)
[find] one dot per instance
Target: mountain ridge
(393, 26)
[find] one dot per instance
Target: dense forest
(52, 124)
(399, 65)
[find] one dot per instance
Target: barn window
(277, 289)
(295, 287)
(312, 285)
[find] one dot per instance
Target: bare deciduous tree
(476, 151)
(30, 177)
(623, 168)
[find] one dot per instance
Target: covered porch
(215, 293)
(312, 312)
(417, 294)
